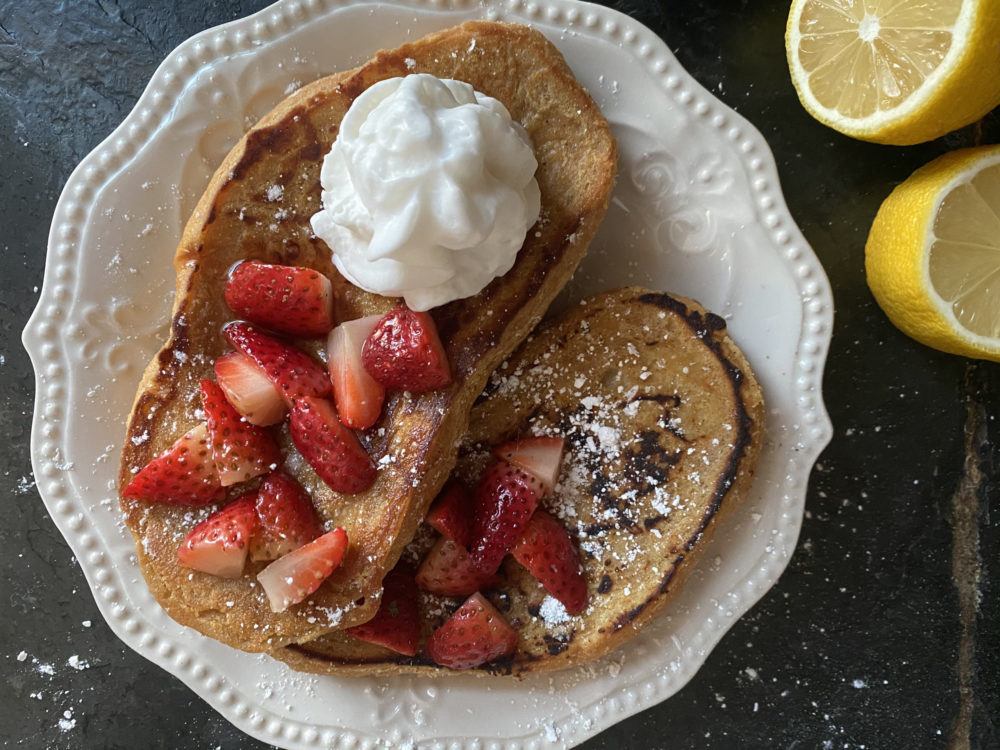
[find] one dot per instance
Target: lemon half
(895, 71)
(933, 254)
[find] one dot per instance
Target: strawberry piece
(286, 518)
(294, 372)
(448, 570)
(396, 625)
(451, 514)
(249, 389)
(182, 475)
(477, 633)
(331, 449)
(358, 395)
(218, 545)
(287, 299)
(538, 455)
(504, 500)
(405, 353)
(290, 579)
(548, 552)
(240, 450)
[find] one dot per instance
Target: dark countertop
(884, 632)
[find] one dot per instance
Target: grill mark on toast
(555, 645)
(705, 327)
(502, 666)
(388, 657)
(353, 86)
(627, 618)
(535, 256)
(276, 139)
(145, 411)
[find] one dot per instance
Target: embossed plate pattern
(697, 210)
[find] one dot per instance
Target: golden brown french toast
(239, 217)
(663, 421)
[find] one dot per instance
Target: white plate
(697, 210)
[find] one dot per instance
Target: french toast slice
(663, 420)
(257, 206)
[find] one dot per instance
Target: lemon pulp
(887, 48)
(964, 260)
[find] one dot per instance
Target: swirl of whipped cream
(428, 191)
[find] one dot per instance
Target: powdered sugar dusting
(553, 611)
(24, 485)
(642, 460)
(67, 722)
(47, 672)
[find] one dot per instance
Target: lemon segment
(895, 71)
(932, 258)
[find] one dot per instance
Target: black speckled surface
(869, 640)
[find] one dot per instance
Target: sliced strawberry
(286, 518)
(287, 299)
(182, 475)
(249, 389)
(396, 625)
(331, 449)
(505, 498)
(294, 372)
(405, 353)
(240, 450)
(452, 512)
(477, 633)
(447, 570)
(550, 555)
(290, 579)
(218, 545)
(357, 394)
(538, 455)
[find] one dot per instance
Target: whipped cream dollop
(428, 191)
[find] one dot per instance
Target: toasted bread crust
(416, 437)
(664, 421)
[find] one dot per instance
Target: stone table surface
(882, 633)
